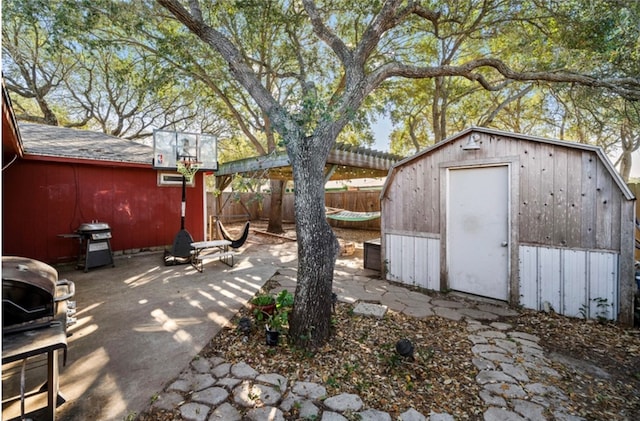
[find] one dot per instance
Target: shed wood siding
(420, 214)
(44, 199)
(571, 243)
(567, 197)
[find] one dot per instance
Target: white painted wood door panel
(477, 231)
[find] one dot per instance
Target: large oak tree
(366, 45)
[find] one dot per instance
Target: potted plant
(275, 325)
(263, 306)
(279, 318)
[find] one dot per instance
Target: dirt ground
(599, 363)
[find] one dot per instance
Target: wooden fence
(635, 189)
(237, 207)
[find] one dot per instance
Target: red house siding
(42, 199)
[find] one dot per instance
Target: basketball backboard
(170, 147)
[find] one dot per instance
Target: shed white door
(477, 230)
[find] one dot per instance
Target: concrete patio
(139, 324)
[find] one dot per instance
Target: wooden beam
(256, 163)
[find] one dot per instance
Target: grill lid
(29, 271)
(93, 226)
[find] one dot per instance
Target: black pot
(272, 337)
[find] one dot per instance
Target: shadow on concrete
(139, 324)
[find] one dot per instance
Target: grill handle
(71, 290)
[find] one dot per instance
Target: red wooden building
(55, 179)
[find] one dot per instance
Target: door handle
(504, 244)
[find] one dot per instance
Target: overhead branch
(221, 44)
(517, 96)
(628, 87)
(388, 18)
(325, 34)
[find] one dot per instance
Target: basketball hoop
(188, 168)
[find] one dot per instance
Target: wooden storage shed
(535, 222)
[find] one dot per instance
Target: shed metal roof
(61, 142)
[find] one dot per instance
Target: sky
(635, 164)
(381, 132)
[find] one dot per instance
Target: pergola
(344, 162)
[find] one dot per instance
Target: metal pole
(184, 201)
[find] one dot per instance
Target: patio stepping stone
(507, 361)
(511, 365)
(368, 309)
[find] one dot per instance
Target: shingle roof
(54, 141)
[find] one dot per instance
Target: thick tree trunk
(275, 211)
(317, 248)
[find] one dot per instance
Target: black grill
(95, 247)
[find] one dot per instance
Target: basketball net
(188, 169)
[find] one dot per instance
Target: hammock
(235, 242)
(345, 215)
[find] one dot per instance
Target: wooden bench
(205, 251)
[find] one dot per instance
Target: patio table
(209, 250)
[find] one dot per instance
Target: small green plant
(278, 320)
(583, 311)
(409, 384)
(271, 352)
(284, 299)
(280, 316)
(331, 381)
(262, 300)
(603, 309)
(392, 360)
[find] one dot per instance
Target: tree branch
(628, 87)
(221, 44)
(325, 34)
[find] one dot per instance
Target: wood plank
(546, 204)
(588, 193)
(574, 200)
(604, 185)
(214, 256)
(559, 192)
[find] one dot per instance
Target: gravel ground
(599, 363)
